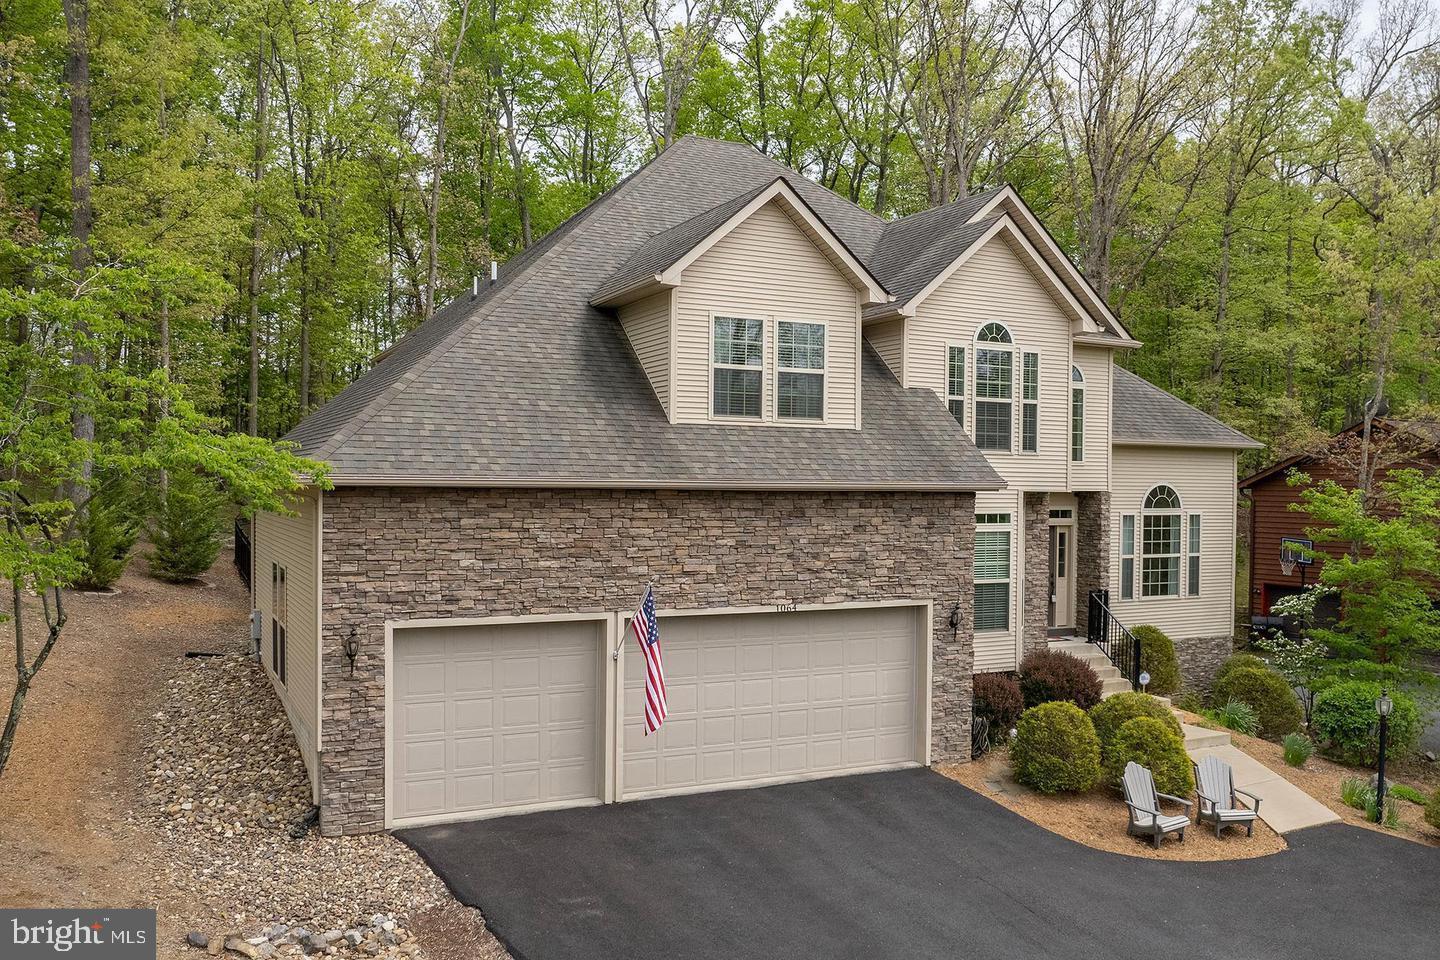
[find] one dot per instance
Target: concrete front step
(1112, 681)
(1200, 738)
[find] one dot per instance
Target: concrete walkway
(1282, 804)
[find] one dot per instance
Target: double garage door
(497, 718)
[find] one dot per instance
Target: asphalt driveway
(912, 865)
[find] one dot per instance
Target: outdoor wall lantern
(1383, 706)
(352, 649)
(954, 621)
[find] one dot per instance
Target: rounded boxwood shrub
(1240, 661)
(1110, 714)
(1047, 675)
(1056, 749)
(1267, 693)
(1157, 658)
(997, 699)
(1345, 720)
(1151, 743)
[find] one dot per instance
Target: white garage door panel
(489, 717)
(756, 697)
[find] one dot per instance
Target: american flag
(647, 631)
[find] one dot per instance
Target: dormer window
(800, 373)
(736, 368)
(994, 388)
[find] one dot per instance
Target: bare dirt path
(76, 771)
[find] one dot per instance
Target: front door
(1062, 578)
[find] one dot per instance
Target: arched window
(1077, 415)
(1160, 543)
(994, 388)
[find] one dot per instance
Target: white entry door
(766, 697)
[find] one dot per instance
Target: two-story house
(859, 460)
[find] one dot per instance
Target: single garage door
(487, 718)
(757, 698)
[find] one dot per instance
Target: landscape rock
(236, 945)
(197, 940)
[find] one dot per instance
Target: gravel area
(227, 787)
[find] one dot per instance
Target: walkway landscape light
(1383, 706)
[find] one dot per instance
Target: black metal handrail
(242, 550)
(1120, 646)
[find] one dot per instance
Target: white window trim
(1020, 412)
(1134, 526)
(711, 366)
(967, 352)
(973, 384)
(1074, 369)
(1180, 559)
(824, 373)
(1009, 530)
(1193, 551)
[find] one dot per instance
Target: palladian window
(1160, 543)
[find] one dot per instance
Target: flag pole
(650, 585)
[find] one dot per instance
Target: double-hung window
(994, 388)
(955, 384)
(736, 367)
(800, 373)
(1077, 415)
(1192, 546)
(1160, 543)
(992, 572)
(1127, 556)
(1029, 402)
(279, 601)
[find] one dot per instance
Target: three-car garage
(505, 715)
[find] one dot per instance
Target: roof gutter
(374, 480)
(1246, 444)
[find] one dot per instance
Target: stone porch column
(1035, 598)
(1092, 550)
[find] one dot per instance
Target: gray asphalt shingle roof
(1142, 413)
(527, 383)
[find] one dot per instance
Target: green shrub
(1234, 715)
(1356, 792)
(1266, 691)
(1055, 749)
(188, 528)
(1047, 675)
(997, 699)
(106, 533)
(1345, 721)
(1240, 661)
(1110, 714)
(1432, 810)
(1157, 658)
(1151, 743)
(1298, 749)
(1408, 794)
(1190, 702)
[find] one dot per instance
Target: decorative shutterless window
(1192, 574)
(955, 384)
(1127, 556)
(1077, 415)
(800, 373)
(1029, 402)
(994, 388)
(992, 572)
(279, 616)
(736, 366)
(1160, 544)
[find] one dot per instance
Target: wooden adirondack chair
(1141, 797)
(1220, 798)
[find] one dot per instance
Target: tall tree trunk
(517, 166)
(257, 214)
(304, 397)
(82, 216)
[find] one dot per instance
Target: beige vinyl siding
(1093, 473)
(293, 542)
(647, 325)
(766, 268)
(888, 339)
(1000, 650)
(996, 285)
(1205, 481)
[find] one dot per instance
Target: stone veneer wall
(1036, 596)
(401, 553)
(1200, 660)
(1092, 551)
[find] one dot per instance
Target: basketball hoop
(1287, 566)
(1295, 552)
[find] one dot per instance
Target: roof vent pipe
(494, 272)
(474, 286)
